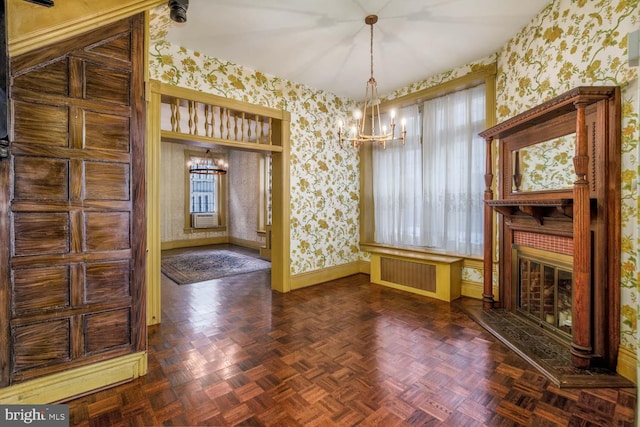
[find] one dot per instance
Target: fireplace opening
(543, 284)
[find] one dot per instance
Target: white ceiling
(325, 43)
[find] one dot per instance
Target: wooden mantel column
(581, 347)
(487, 295)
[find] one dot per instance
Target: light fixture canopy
(372, 130)
(208, 165)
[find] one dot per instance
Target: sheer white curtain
(397, 186)
(453, 174)
(429, 192)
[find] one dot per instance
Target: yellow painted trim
(628, 364)
(471, 289)
(31, 26)
(448, 275)
(485, 74)
(364, 267)
(203, 241)
(74, 382)
(154, 310)
(206, 141)
(315, 277)
(245, 243)
(208, 98)
(476, 264)
(413, 253)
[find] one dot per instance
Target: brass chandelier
(357, 133)
(208, 165)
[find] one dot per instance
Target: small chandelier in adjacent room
(208, 165)
(357, 132)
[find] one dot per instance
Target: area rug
(185, 268)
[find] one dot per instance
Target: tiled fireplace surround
(545, 242)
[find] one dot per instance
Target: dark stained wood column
(487, 295)
(581, 346)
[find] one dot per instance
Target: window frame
(484, 74)
(221, 191)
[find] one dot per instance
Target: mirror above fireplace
(543, 166)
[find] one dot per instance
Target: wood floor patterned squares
(347, 352)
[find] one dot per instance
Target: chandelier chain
(371, 49)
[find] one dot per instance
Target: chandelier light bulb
(357, 114)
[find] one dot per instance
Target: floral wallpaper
(324, 176)
(573, 43)
(547, 165)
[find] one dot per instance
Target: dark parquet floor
(232, 352)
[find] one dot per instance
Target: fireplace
(558, 258)
(543, 284)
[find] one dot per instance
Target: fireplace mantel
(583, 205)
(537, 209)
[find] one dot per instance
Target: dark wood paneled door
(74, 217)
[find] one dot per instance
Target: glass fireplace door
(543, 284)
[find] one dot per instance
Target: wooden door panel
(41, 344)
(103, 331)
(106, 181)
(76, 213)
(40, 289)
(107, 132)
(41, 124)
(40, 178)
(118, 48)
(106, 84)
(107, 231)
(106, 281)
(51, 79)
(41, 233)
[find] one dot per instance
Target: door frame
(281, 210)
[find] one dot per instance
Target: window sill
(191, 230)
(415, 252)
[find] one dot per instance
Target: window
(205, 192)
(428, 193)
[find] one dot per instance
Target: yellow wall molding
(471, 289)
(203, 241)
(628, 364)
(412, 253)
(477, 264)
(364, 267)
(74, 382)
(246, 243)
(311, 278)
(31, 26)
(152, 168)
